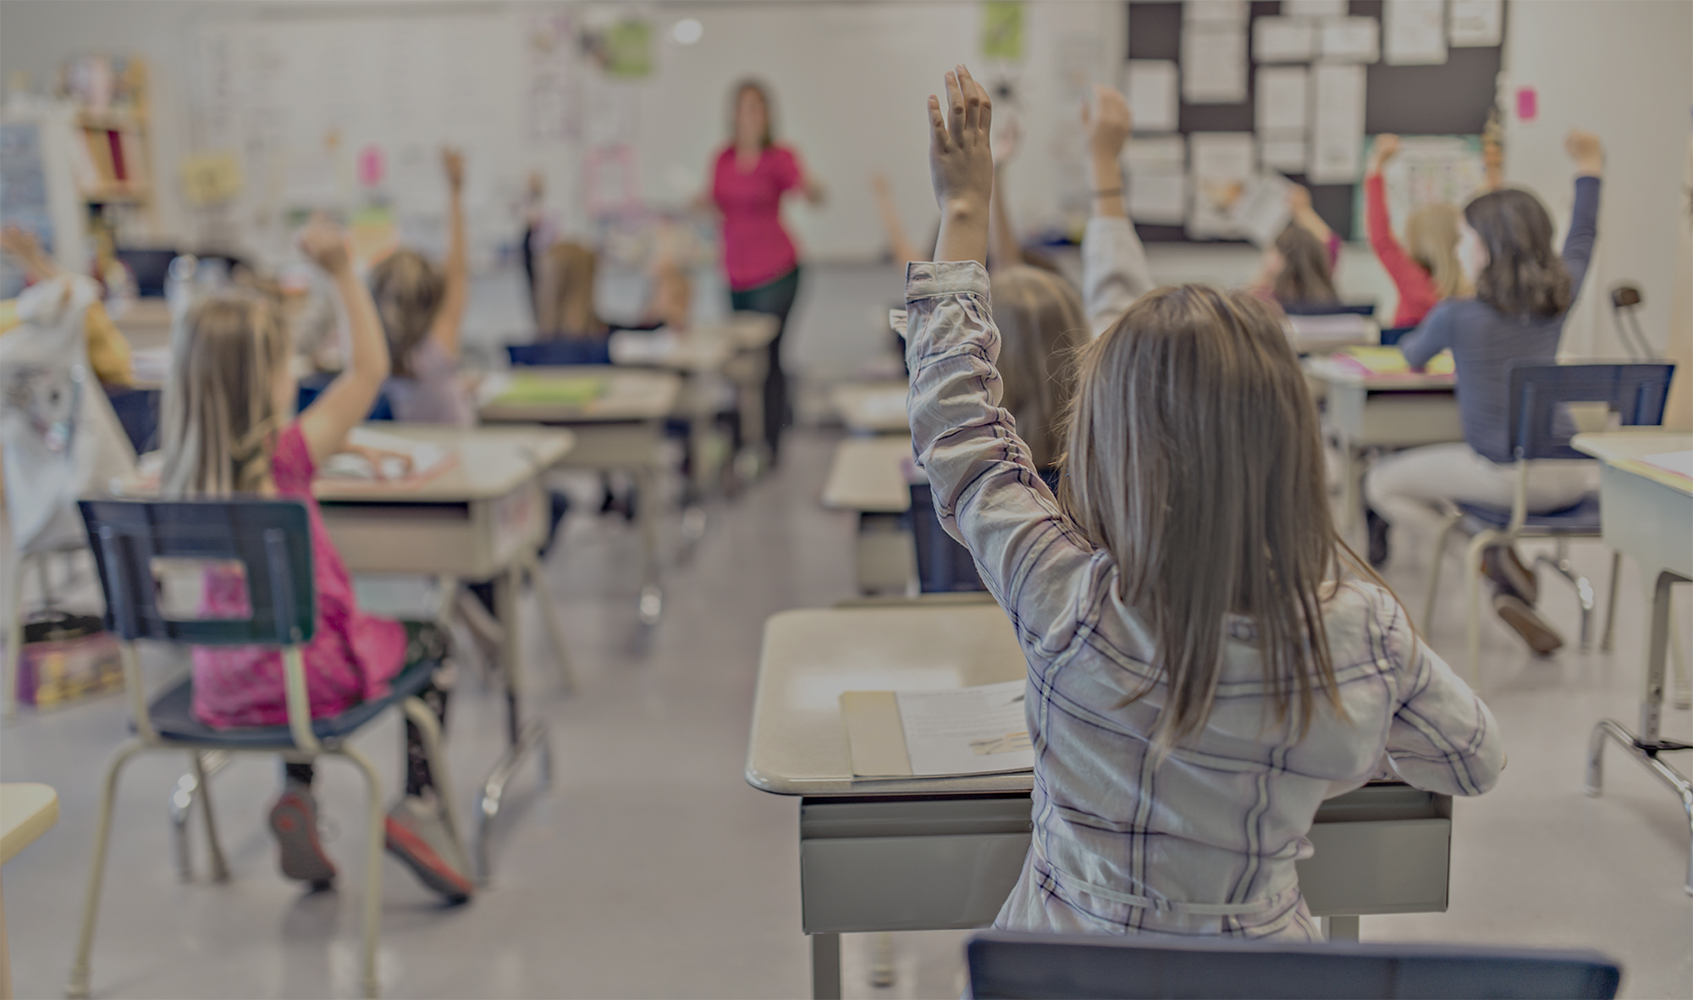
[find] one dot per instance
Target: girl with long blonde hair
(1425, 270)
(1207, 662)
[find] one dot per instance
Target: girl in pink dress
(227, 430)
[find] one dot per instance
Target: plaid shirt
(1204, 843)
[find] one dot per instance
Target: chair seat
(1578, 519)
(172, 714)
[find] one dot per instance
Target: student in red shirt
(748, 179)
(1427, 270)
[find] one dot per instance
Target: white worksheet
(1337, 123)
(1151, 88)
(1678, 462)
(1282, 100)
(1262, 211)
(1476, 22)
(1314, 8)
(1415, 32)
(1286, 153)
(1214, 63)
(1283, 39)
(1158, 195)
(973, 730)
(1214, 12)
(1220, 166)
(1155, 152)
(1350, 39)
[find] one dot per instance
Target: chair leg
(77, 988)
(1605, 641)
(14, 636)
(1678, 665)
(220, 870)
(1447, 525)
(1472, 591)
(555, 630)
(375, 842)
(1583, 588)
(429, 727)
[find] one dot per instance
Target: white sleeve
(1114, 270)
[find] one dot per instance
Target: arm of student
(1430, 337)
(449, 321)
(1584, 230)
(1442, 738)
(1299, 200)
(1114, 268)
(347, 401)
(1379, 225)
(898, 244)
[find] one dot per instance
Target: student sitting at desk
(1428, 270)
(1298, 268)
(1207, 662)
(1523, 292)
(422, 310)
(226, 430)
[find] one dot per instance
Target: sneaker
(1378, 526)
(1535, 630)
(293, 819)
(1504, 567)
(418, 835)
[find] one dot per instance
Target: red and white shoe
(418, 834)
(293, 819)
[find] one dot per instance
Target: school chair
(312, 386)
(140, 548)
(1329, 308)
(1130, 967)
(943, 565)
(1540, 427)
(138, 413)
(585, 351)
(1391, 336)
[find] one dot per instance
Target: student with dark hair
(1523, 292)
(1298, 268)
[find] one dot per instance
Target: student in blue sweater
(1523, 293)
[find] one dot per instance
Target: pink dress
(351, 657)
(756, 249)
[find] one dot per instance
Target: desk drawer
(907, 883)
(1378, 866)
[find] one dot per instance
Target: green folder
(532, 390)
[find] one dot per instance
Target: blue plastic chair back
(571, 351)
(312, 386)
(1391, 336)
(1128, 968)
(138, 411)
(1329, 308)
(271, 539)
(1540, 426)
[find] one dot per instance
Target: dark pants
(774, 299)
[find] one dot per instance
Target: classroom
(846, 498)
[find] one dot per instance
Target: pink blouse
(756, 249)
(351, 657)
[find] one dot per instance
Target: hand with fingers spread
(961, 167)
(1107, 124)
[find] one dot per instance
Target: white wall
(1622, 69)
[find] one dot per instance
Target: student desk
(1383, 411)
(622, 428)
(1647, 513)
(26, 812)
(866, 476)
(872, 407)
(937, 853)
(482, 518)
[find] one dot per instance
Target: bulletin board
(1453, 98)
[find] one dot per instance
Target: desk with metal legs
(620, 429)
(1648, 514)
(866, 476)
(937, 853)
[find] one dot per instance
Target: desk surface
(706, 349)
(26, 812)
(630, 394)
(866, 474)
(747, 330)
(1326, 370)
(492, 461)
(872, 407)
(798, 744)
(1625, 449)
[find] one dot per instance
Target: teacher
(748, 180)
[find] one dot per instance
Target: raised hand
(961, 167)
(1586, 150)
(452, 162)
(1108, 124)
(323, 242)
(1010, 140)
(1387, 147)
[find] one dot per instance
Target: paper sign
(1416, 32)
(1285, 154)
(1477, 22)
(1214, 11)
(1337, 125)
(1350, 39)
(1314, 8)
(1214, 64)
(1283, 39)
(1158, 195)
(1262, 211)
(1281, 99)
(1002, 30)
(1222, 163)
(1151, 88)
(1155, 153)
(1528, 103)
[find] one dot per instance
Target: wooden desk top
(1325, 369)
(27, 811)
(866, 474)
(872, 407)
(798, 744)
(1626, 448)
(492, 461)
(629, 395)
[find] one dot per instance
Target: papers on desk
(1385, 362)
(644, 347)
(525, 389)
(411, 461)
(1678, 462)
(973, 730)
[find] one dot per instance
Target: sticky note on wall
(1528, 103)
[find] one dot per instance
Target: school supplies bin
(66, 658)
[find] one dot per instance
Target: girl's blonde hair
(220, 409)
(1041, 324)
(564, 293)
(408, 290)
(1431, 238)
(1196, 462)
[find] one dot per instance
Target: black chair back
(1129, 968)
(1391, 336)
(270, 539)
(943, 565)
(568, 351)
(1540, 425)
(1329, 308)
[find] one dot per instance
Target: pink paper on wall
(1528, 103)
(372, 165)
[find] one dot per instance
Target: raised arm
(901, 247)
(1442, 738)
(449, 322)
(1299, 201)
(348, 399)
(1003, 247)
(1589, 156)
(1378, 223)
(1114, 268)
(987, 492)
